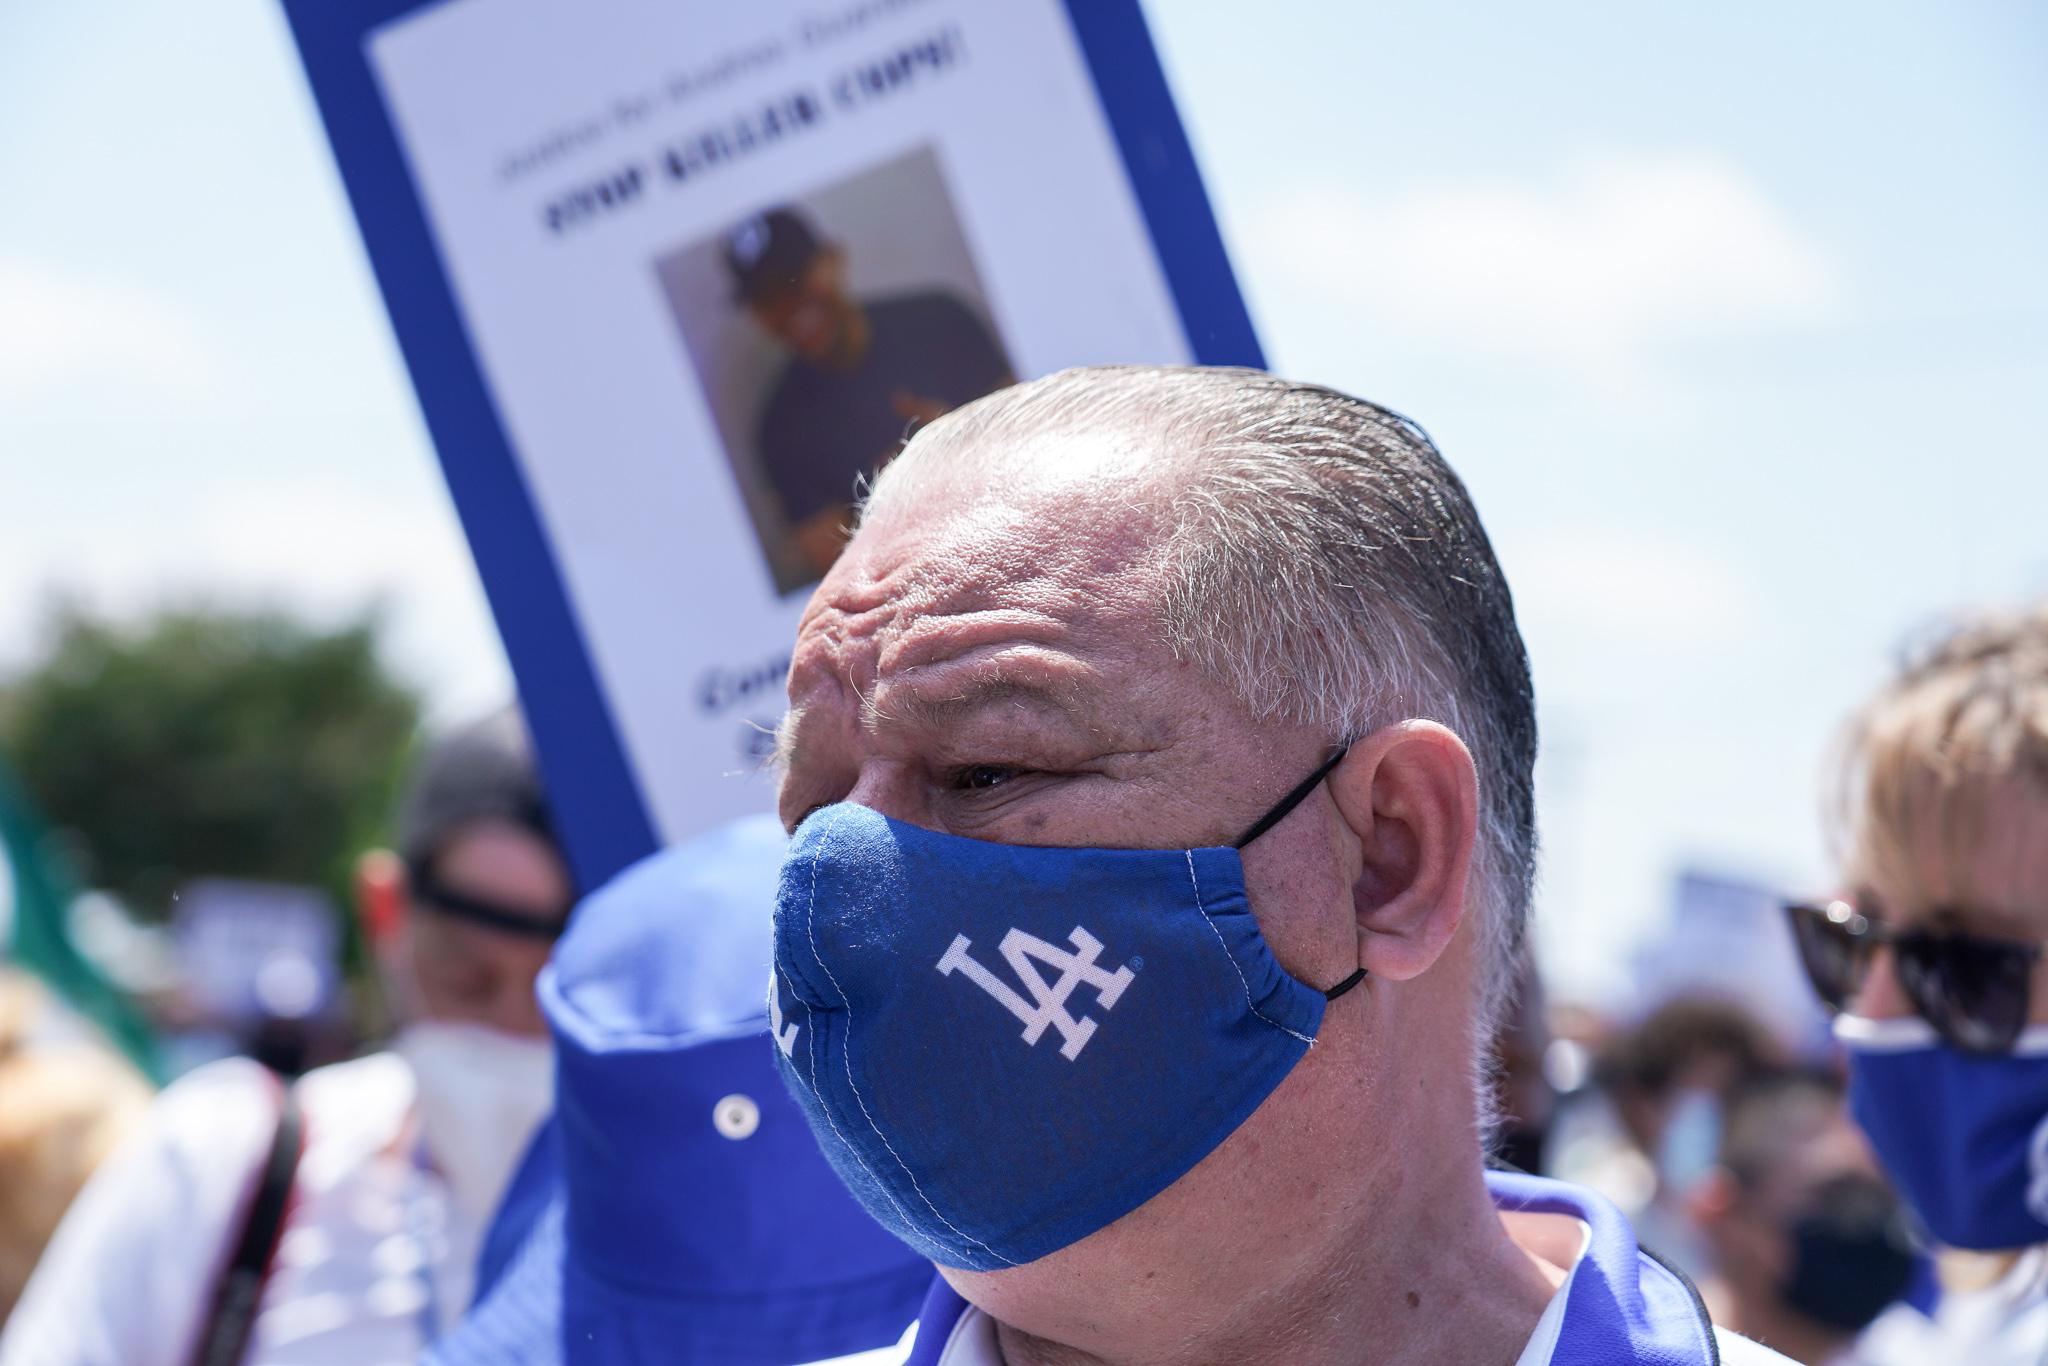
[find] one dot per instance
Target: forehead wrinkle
(962, 582)
(936, 637)
(997, 546)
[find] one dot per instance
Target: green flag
(39, 939)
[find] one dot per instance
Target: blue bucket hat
(675, 1208)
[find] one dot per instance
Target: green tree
(38, 895)
(209, 742)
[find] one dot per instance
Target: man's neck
(1444, 1283)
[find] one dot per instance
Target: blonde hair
(63, 1107)
(1962, 725)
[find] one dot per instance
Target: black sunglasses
(430, 892)
(1973, 989)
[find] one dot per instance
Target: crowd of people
(1145, 942)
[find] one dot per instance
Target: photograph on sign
(715, 265)
(824, 329)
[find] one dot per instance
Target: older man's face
(987, 660)
(988, 663)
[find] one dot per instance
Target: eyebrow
(928, 707)
(909, 705)
(780, 754)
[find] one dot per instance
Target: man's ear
(1410, 795)
(381, 893)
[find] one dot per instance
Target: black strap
(238, 1294)
(1293, 799)
(1278, 813)
(458, 906)
(1349, 982)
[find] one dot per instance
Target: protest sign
(671, 279)
(257, 950)
(1727, 937)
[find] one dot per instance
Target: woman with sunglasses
(1934, 964)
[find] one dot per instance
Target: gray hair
(1326, 565)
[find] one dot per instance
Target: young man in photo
(861, 373)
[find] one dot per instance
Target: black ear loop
(1279, 812)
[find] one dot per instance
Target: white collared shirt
(972, 1337)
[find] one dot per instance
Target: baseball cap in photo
(768, 252)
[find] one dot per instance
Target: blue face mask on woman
(1964, 1136)
(1004, 1048)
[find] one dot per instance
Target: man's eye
(982, 776)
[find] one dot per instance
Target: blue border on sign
(1161, 165)
(598, 803)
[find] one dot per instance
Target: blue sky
(1734, 317)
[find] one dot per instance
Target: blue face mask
(1964, 1136)
(1004, 1048)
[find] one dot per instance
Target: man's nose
(895, 789)
(1881, 997)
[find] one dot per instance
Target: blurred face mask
(1004, 1048)
(480, 1095)
(1687, 1149)
(1964, 1136)
(1850, 1255)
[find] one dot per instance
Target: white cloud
(1591, 273)
(143, 514)
(1593, 584)
(331, 547)
(58, 329)
(316, 546)
(1635, 619)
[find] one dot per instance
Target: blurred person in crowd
(1160, 767)
(860, 372)
(1652, 1125)
(336, 1219)
(675, 1209)
(1671, 1076)
(65, 1101)
(1934, 960)
(1808, 1242)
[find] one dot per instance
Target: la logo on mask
(1047, 1007)
(895, 1071)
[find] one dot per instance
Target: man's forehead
(1050, 611)
(1002, 545)
(968, 542)
(1039, 603)
(1075, 477)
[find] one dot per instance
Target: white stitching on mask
(824, 1107)
(1232, 958)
